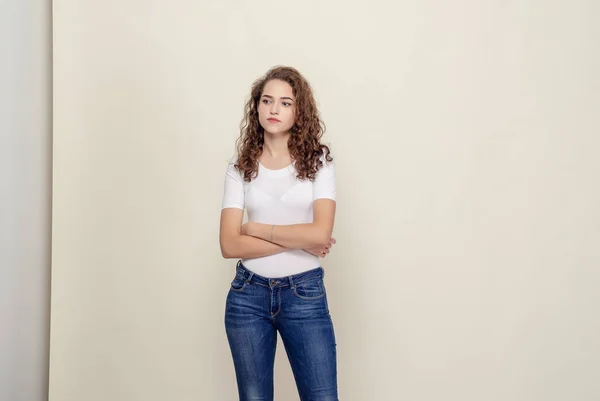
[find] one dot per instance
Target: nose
(274, 108)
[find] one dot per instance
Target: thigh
(307, 332)
(252, 339)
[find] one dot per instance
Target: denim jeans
(295, 306)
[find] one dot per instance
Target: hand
(322, 251)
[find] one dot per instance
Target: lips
(273, 120)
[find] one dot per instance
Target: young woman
(285, 179)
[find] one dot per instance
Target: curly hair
(304, 143)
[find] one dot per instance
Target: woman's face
(277, 107)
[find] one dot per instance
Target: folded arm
(298, 236)
(235, 245)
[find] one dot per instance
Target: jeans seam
(278, 304)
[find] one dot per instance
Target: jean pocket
(309, 289)
(238, 284)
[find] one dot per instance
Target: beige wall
(466, 136)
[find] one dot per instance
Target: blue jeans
(296, 307)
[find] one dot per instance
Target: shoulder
(231, 171)
(233, 159)
(327, 170)
(324, 159)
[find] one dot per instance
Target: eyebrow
(284, 97)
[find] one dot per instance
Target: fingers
(320, 252)
(323, 251)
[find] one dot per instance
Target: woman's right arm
(234, 245)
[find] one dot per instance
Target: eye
(286, 104)
(265, 101)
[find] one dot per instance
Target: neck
(276, 146)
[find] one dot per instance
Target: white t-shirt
(278, 197)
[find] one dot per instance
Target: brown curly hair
(304, 143)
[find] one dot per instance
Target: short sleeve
(324, 184)
(233, 194)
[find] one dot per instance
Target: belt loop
(291, 282)
(249, 277)
(239, 262)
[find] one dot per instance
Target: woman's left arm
(299, 236)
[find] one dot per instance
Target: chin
(277, 132)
